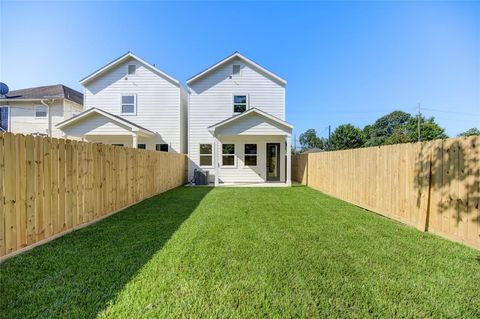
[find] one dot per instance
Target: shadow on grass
(79, 274)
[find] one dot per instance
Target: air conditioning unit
(201, 178)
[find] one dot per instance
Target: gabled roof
(113, 117)
(236, 55)
(123, 58)
(250, 111)
(57, 91)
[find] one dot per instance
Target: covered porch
(98, 126)
(252, 149)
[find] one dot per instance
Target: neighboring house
(131, 103)
(237, 129)
(37, 110)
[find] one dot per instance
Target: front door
(273, 161)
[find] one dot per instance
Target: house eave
(230, 58)
(120, 60)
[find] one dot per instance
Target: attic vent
(236, 69)
(131, 69)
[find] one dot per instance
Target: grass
(243, 253)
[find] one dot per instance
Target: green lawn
(243, 253)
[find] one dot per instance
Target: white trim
(212, 155)
(230, 58)
(35, 111)
(247, 106)
(122, 59)
(235, 163)
(106, 114)
(134, 104)
(212, 128)
(245, 154)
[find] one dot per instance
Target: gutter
(49, 115)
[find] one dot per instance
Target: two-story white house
(37, 110)
(236, 124)
(132, 103)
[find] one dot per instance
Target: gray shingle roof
(45, 92)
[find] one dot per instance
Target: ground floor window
(3, 119)
(250, 155)
(161, 147)
(142, 146)
(115, 144)
(228, 154)
(206, 154)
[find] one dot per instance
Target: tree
(347, 136)
(470, 132)
(309, 140)
(401, 127)
(429, 130)
(388, 129)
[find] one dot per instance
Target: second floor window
(129, 104)
(41, 111)
(239, 103)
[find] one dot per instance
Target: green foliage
(347, 136)
(470, 132)
(201, 252)
(401, 127)
(388, 129)
(429, 130)
(309, 140)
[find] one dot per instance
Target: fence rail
(434, 186)
(49, 186)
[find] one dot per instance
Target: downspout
(49, 116)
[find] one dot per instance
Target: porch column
(288, 179)
(216, 159)
(135, 140)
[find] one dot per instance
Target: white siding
(158, 100)
(23, 120)
(96, 125)
(249, 174)
(253, 124)
(211, 101)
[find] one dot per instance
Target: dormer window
(239, 103)
(131, 69)
(236, 69)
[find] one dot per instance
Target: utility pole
(418, 123)
(295, 142)
(329, 127)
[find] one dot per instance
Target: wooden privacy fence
(433, 186)
(49, 186)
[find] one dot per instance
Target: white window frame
(234, 155)
(245, 154)
(134, 104)
(9, 116)
(128, 69)
(42, 106)
(247, 106)
(212, 155)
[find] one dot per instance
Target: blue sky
(344, 61)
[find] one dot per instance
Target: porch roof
(251, 122)
(117, 125)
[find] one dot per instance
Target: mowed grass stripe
(244, 253)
